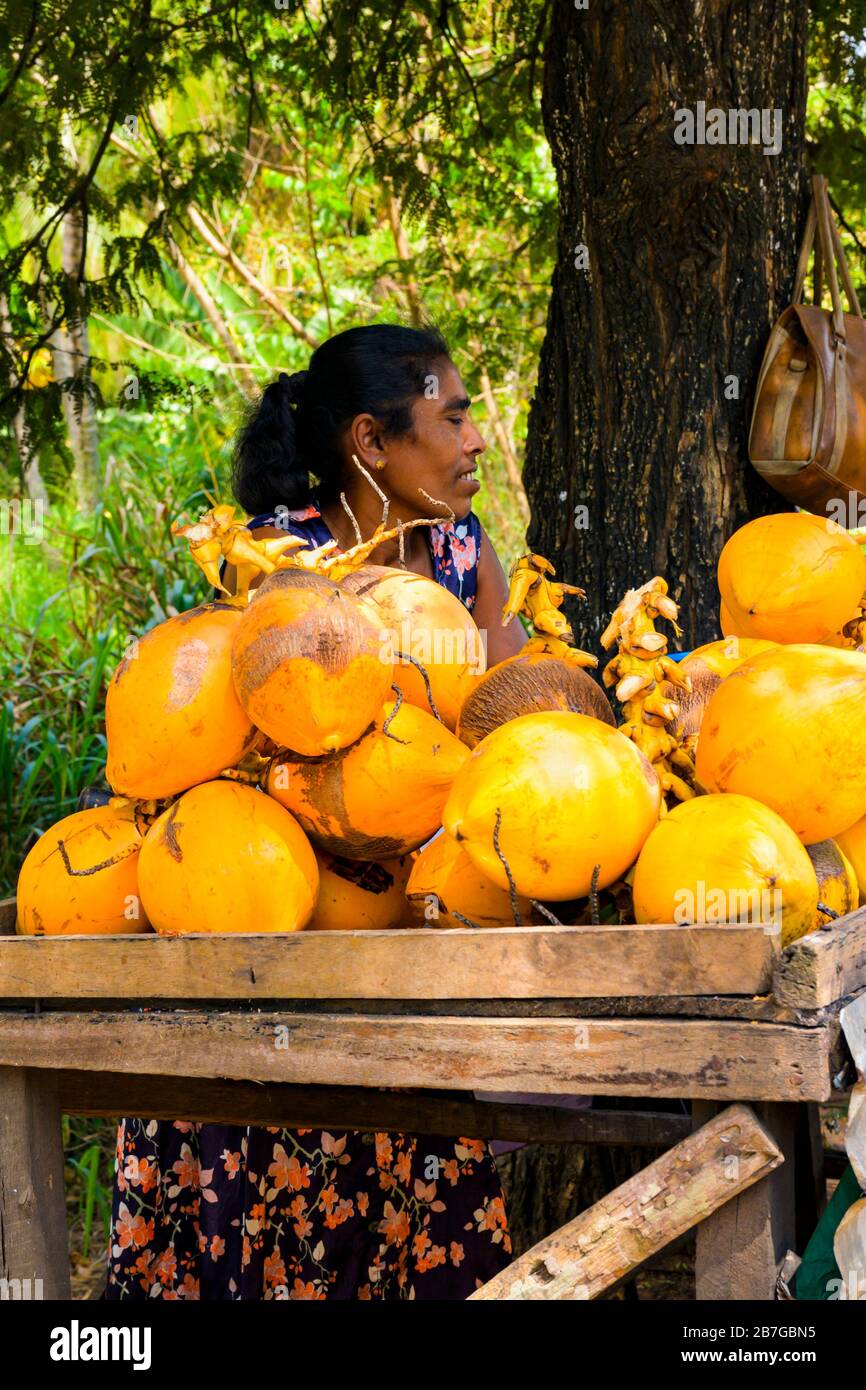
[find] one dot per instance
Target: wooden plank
(759, 1008)
(638, 1219)
(507, 962)
(740, 1247)
(113, 1094)
(631, 1057)
(33, 1241)
(823, 966)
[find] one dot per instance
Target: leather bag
(808, 434)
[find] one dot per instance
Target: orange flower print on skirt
(229, 1212)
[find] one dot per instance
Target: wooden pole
(34, 1247)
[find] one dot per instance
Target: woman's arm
(491, 596)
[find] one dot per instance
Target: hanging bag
(808, 434)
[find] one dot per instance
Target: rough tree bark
(691, 252)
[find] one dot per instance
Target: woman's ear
(366, 439)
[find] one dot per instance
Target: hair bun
(293, 386)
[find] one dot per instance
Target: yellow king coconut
(852, 843)
(792, 577)
(706, 668)
(81, 877)
(227, 858)
(447, 889)
(788, 727)
(438, 649)
(553, 796)
(383, 796)
(837, 881)
(355, 896)
(172, 717)
(310, 669)
(726, 858)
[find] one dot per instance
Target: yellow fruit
(789, 727)
(358, 896)
(726, 859)
(429, 623)
(837, 881)
(792, 577)
(529, 683)
(81, 877)
(444, 882)
(227, 858)
(171, 714)
(852, 843)
(380, 798)
(726, 622)
(310, 670)
(707, 667)
(570, 792)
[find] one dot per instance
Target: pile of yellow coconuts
(282, 758)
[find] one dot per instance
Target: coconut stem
(354, 520)
(593, 896)
(386, 501)
(436, 503)
(545, 912)
(515, 910)
(828, 912)
(385, 727)
(461, 918)
(95, 868)
(404, 656)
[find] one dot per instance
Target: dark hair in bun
(296, 427)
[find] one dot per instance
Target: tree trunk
(691, 252)
(71, 353)
(691, 255)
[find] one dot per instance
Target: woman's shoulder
(306, 522)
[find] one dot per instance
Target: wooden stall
(317, 1029)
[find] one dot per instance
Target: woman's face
(440, 455)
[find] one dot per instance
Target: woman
(230, 1212)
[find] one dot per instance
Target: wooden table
(192, 1027)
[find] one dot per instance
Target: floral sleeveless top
(455, 547)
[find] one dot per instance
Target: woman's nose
(474, 441)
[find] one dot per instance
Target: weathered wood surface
(740, 1247)
(113, 1094)
(33, 1239)
(508, 962)
(725, 1157)
(7, 916)
(759, 1008)
(632, 1057)
(823, 966)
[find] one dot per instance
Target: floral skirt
(235, 1212)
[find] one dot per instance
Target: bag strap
(850, 292)
(828, 253)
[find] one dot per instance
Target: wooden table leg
(739, 1247)
(811, 1184)
(34, 1244)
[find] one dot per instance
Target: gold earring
(380, 463)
